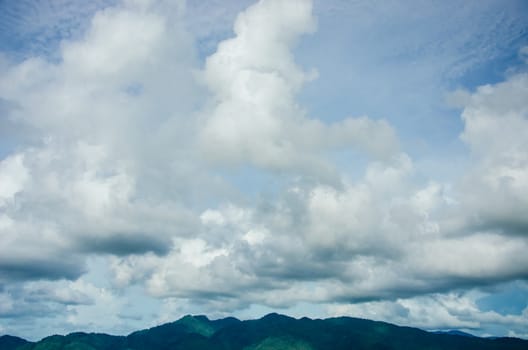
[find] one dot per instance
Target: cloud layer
(137, 174)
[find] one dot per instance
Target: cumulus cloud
(382, 237)
(40, 308)
(496, 121)
(254, 79)
(13, 175)
(75, 187)
(438, 312)
(91, 183)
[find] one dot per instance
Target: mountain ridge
(273, 331)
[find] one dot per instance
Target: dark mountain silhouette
(8, 342)
(271, 332)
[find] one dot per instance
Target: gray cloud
(53, 268)
(122, 244)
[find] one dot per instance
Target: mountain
(8, 342)
(271, 332)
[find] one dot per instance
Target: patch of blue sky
(398, 62)
(497, 70)
(252, 183)
(138, 308)
(211, 21)
(508, 299)
(31, 28)
(351, 163)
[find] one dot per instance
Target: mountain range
(270, 332)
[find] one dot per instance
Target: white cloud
(496, 129)
(436, 312)
(254, 79)
(254, 237)
(196, 253)
(89, 181)
(13, 175)
(212, 217)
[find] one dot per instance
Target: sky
(313, 158)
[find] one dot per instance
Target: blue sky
(315, 158)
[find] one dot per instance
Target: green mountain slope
(271, 332)
(8, 342)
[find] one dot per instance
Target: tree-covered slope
(268, 333)
(8, 342)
